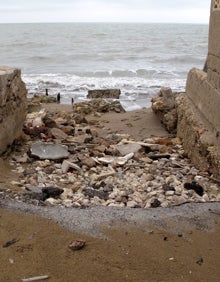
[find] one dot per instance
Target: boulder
(164, 106)
(13, 98)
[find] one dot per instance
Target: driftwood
(36, 278)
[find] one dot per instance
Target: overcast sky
(189, 11)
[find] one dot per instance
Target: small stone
(58, 134)
(132, 204)
(155, 203)
(51, 201)
(77, 245)
(194, 186)
(169, 193)
(52, 191)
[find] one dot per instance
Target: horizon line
(105, 22)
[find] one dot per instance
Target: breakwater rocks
(112, 171)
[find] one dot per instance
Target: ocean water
(72, 58)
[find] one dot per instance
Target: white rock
(205, 197)
(131, 204)
(68, 203)
(66, 165)
(52, 201)
(164, 204)
(169, 193)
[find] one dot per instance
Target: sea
(72, 58)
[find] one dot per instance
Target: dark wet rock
(168, 188)
(38, 196)
(91, 193)
(194, 186)
(52, 192)
(99, 185)
(159, 156)
(155, 203)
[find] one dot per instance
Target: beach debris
(77, 245)
(110, 170)
(49, 151)
(9, 243)
(36, 278)
(35, 118)
(115, 160)
(200, 261)
(194, 186)
(158, 156)
(104, 93)
(68, 166)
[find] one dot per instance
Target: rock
(155, 203)
(68, 129)
(77, 245)
(104, 93)
(67, 165)
(132, 204)
(196, 187)
(52, 192)
(164, 106)
(128, 148)
(48, 122)
(51, 201)
(21, 159)
(97, 106)
(89, 162)
(49, 151)
(91, 193)
(58, 134)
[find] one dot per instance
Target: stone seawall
(197, 112)
(13, 96)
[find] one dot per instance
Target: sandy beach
(122, 244)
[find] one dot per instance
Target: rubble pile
(65, 162)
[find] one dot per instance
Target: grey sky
(192, 11)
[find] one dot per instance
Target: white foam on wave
(70, 86)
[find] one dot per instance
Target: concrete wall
(13, 96)
(199, 110)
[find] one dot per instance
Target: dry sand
(175, 244)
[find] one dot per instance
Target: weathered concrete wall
(199, 110)
(13, 95)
